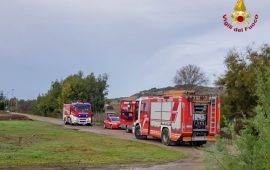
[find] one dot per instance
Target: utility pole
(7, 106)
(13, 100)
(16, 101)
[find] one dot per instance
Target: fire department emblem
(240, 15)
(238, 20)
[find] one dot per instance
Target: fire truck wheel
(138, 132)
(165, 138)
(65, 121)
(128, 130)
(70, 121)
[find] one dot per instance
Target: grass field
(33, 143)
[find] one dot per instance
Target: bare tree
(190, 76)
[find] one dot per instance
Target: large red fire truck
(77, 113)
(193, 119)
(127, 114)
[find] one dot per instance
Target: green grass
(33, 143)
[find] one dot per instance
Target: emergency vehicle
(112, 122)
(77, 113)
(127, 114)
(176, 119)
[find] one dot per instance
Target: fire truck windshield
(82, 108)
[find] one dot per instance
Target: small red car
(112, 123)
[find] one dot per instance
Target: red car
(112, 123)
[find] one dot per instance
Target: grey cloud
(140, 43)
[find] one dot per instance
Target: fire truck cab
(193, 119)
(127, 114)
(77, 113)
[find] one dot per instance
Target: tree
(239, 82)
(190, 76)
(74, 88)
(2, 100)
(25, 106)
(250, 149)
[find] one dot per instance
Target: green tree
(25, 106)
(100, 92)
(2, 100)
(74, 88)
(250, 150)
(239, 82)
(48, 104)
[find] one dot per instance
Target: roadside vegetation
(246, 110)
(35, 144)
(74, 88)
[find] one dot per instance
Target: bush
(250, 149)
(74, 88)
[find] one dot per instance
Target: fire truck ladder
(213, 112)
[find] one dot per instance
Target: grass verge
(33, 143)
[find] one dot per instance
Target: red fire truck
(127, 114)
(77, 113)
(193, 119)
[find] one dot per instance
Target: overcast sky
(139, 43)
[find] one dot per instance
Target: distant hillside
(201, 90)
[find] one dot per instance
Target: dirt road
(194, 156)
